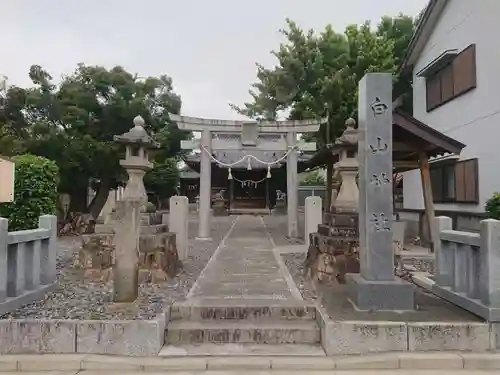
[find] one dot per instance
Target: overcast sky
(209, 48)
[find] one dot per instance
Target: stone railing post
(313, 215)
(49, 252)
(489, 263)
(444, 258)
(4, 234)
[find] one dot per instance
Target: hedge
(35, 192)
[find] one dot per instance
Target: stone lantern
(128, 211)
(137, 143)
(346, 147)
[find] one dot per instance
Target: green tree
(35, 192)
(313, 178)
(492, 206)
(12, 127)
(74, 123)
(318, 73)
(163, 179)
(400, 30)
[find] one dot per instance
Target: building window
(456, 78)
(455, 183)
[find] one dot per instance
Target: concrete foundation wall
(365, 337)
(128, 337)
(145, 338)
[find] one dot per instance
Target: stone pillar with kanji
(376, 287)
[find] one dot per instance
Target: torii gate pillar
(205, 187)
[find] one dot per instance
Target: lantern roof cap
(349, 137)
(137, 135)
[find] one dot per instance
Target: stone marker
(313, 215)
(178, 223)
(376, 287)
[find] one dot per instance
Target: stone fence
(27, 263)
(467, 267)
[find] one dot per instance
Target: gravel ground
(76, 298)
(278, 228)
(295, 264)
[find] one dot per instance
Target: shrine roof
(187, 173)
(410, 137)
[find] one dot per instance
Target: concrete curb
(118, 337)
(388, 361)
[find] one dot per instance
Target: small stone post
(178, 224)
(313, 215)
(128, 211)
(376, 287)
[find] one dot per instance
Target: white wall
(473, 118)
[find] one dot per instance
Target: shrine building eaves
(215, 125)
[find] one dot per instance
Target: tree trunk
(99, 200)
(78, 201)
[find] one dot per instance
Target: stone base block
(37, 336)
(129, 337)
(452, 336)
(363, 337)
(475, 306)
(380, 295)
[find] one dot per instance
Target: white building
(455, 59)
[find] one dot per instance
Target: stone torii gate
(247, 137)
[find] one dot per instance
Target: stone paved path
(245, 266)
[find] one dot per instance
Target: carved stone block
(158, 258)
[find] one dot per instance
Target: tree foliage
(163, 179)
(317, 74)
(73, 123)
(313, 178)
(35, 192)
(492, 206)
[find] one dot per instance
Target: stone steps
(242, 310)
(243, 350)
(243, 331)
